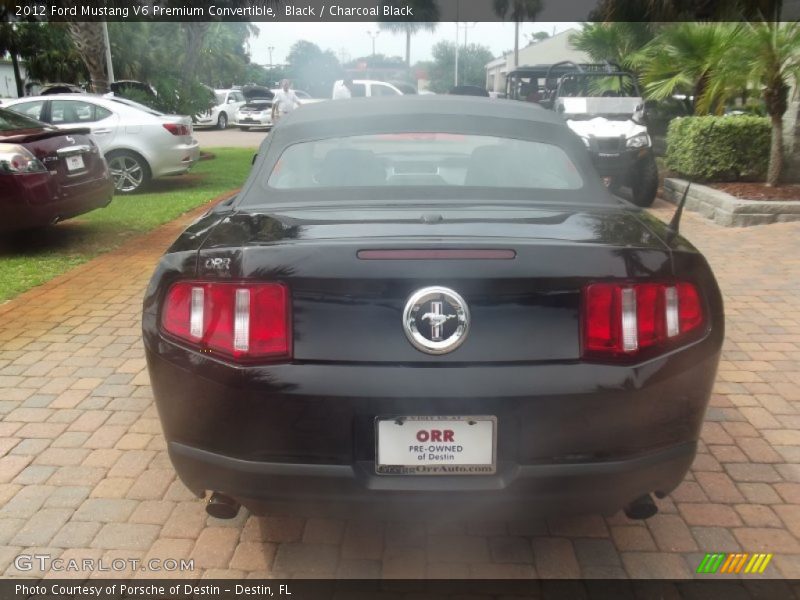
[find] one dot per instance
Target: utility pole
(270, 49)
(467, 26)
(455, 77)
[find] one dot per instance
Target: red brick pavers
(84, 472)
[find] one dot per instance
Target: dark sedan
(431, 301)
(48, 174)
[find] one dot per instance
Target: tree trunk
(90, 44)
(776, 98)
(17, 74)
(408, 48)
(196, 33)
(775, 151)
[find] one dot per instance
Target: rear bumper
(539, 489)
(179, 159)
(33, 206)
(571, 437)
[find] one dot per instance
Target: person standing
(284, 102)
(344, 90)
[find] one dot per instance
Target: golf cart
(602, 104)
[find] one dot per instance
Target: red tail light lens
(177, 128)
(243, 321)
(621, 319)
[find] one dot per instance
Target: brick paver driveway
(84, 472)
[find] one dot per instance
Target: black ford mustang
(422, 299)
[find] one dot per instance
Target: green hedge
(719, 148)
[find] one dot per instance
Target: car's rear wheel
(222, 121)
(129, 170)
(644, 181)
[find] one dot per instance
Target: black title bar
(398, 10)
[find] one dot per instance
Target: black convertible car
(431, 300)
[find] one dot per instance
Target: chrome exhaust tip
(221, 506)
(641, 508)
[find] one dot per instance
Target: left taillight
(16, 160)
(178, 128)
(623, 320)
(241, 321)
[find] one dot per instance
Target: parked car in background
(370, 87)
(224, 112)
(256, 112)
(138, 142)
(122, 87)
(48, 174)
(48, 89)
(302, 96)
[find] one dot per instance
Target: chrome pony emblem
(436, 320)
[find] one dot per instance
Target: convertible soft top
(412, 114)
(437, 104)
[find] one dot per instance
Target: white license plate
(75, 163)
(447, 445)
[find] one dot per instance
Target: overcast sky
(351, 40)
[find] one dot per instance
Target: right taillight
(620, 320)
(240, 321)
(177, 128)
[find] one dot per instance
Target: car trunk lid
(523, 296)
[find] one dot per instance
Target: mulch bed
(759, 191)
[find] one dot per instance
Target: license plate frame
(74, 163)
(458, 424)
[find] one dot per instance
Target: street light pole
(373, 35)
(270, 49)
(455, 77)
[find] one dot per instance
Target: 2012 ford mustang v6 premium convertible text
(425, 300)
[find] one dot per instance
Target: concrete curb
(729, 211)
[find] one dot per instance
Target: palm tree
(426, 15)
(517, 10)
(612, 41)
(767, 57)
(684, 57)
(409, 28)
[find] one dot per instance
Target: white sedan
(228, 103)
(138, 142)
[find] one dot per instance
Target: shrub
(728, 148)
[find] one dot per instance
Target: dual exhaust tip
(221, 506)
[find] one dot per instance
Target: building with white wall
(8, 86)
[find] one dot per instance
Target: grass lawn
(33, 258)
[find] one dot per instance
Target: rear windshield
(9, 120)
(424, 159)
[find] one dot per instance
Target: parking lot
(84, 472)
